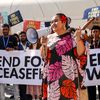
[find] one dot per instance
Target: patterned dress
(61, 79)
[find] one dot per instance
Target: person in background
(95, 43)
(60, 72)
(95, 34)
(7, 42)
(17, 37)
(24, 44)
(35, 88)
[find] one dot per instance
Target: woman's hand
(79, 42)
(77, 34)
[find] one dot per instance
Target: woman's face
(56, 24)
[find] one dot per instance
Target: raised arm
(79, 42)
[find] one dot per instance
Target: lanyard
(24, 46)
(5, 42)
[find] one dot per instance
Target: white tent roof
(43, 10)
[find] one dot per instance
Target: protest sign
(20, 67)
(93, 68)
(15, 18)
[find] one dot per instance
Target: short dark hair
(6, 25)
(16, 35)
(22, 32)
(95, 27)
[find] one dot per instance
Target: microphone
(33, 34)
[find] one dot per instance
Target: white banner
(20, 67)
(93, 68)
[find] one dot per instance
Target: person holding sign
(7, 42)
(95, 43)
(60, 74)
(24, 44)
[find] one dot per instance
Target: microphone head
(32, 35)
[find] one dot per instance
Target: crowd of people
(64, 53)
(11, 42)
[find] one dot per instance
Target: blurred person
(94, 43)
(7, 42)
(60, 72)
(95, 37)
(35, 88)
(17, 37)
(24, 44)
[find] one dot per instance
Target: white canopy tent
(43, 10)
